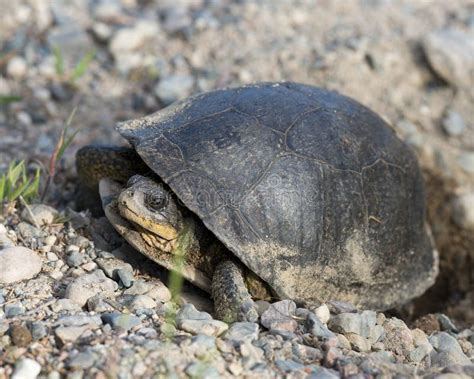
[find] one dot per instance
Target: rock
(111, 265)
(343, 342)
(202, 370)
(202, 345)
(331, 356)
(173, 88)
(466, 161)
(65, 334)
(64, 305)
(12, 264)
(358, 343)
(306, 353)
(99, 304)
(398, 337)
(76, 259)
(463, 211)
(453, 124)
(450, 53)
(14, 309)
(445, 323)
(289, 365)
(5, 241)
(159, 292)
(38, 330)
(141, 302)
(39, 214)
(322, 312)
(28, 231)
(428, 323)
(337, 307)
(88, 285)
(243, 331)
(71, 40)
(176, 19)
(139, 287)
(189, 312)
(418, 354)
(121, 320)
(83, 360)
(207, 327)
(358, 323)
(446, 350)
(20, 335)
(79, 320)
(376, 334)
(262, 306)
(131, 39)
(102, 32)
(17, 68)
(279, 315)
(26, 368)
(317, 328)
(419, 337)
(126, 277)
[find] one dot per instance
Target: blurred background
(411, 61)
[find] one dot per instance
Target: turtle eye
(155, 202)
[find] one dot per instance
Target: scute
(310, 189)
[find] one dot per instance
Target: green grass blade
(3, 180)
(33, 190)
(58, 61)
(81, 67)
(14, 172)
(18, 190)
(7, 99)
(66, 144)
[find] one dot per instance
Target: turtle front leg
(232, 300)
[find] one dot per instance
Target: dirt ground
(410, 61)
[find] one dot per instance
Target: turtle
(275, 190)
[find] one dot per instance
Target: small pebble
(13, 310)
(243, 331)
(111, 265)
(173, 88)
(38, 330)
(20, 335)
(337, 307)
(17, 68)
(279, 315)
(121, 320)
(76, 259)
(88, 285)
(466, 161)
(125, 277)
(450, 53)
(26, 368)
(322, 312)
(463, 211)
(453, 124)
(12, 267)
(39, 214)
(65, 334)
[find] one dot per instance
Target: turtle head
(147, 203)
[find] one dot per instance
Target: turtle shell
(308, 188)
